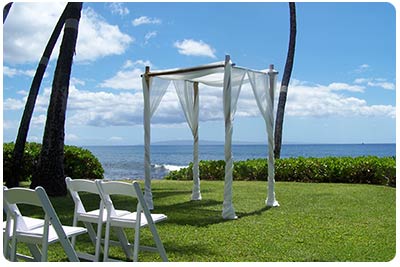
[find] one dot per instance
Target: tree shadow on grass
(252, 213)
(187, 251)
(160, 193)
(195, 213)
(200, 213)
(175, 252)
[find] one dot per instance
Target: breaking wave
(168, 167)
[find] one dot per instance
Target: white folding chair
(88, 218)
(41, 235)
(27, 223)
(134, 220)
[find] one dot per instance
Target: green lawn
(315, 222)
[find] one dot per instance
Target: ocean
(126, 162)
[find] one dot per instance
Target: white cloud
(142, 63)
(11, 72)
(145, 20)
(313, 100)
(32, 138)
(76, 81)
(190, 47)
(360, 80)
(384, 85)
(7, 124)
(39, 120)
(376, 82)
(119, 9)
(104, 109)
(22, 92)
(13, 104)
(149, 35)
(25, 36)
(362, 68)
(128, 64)
(129, 77)
(346, 87)
(115, 139)
(99, 38)
(125, 79)
(69, 137)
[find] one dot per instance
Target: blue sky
(343, 87)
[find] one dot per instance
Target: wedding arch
(230, 78)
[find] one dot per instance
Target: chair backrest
(10, 208)
(109, 188)
(22, 196)
(117, 188)
(80, 185)
(15, 196)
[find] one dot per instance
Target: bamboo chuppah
(186, 82)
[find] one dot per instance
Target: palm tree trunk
(50, 172)
(19, 147)
(285, 82)
(6, 9)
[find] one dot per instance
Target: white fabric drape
(209, 74)
(233, 79)
(153, 91)
(158, 87)
(188, 94)
(263, 89)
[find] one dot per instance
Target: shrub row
(365, 170)
(79, 163)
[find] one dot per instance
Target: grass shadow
(175, 252)
(200, 213)
(253, 213)
(194, 213)
(159, 193)
(191, 252)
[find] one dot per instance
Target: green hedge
(79, 163)
(365, 170)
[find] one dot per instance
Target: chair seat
(36, 235)
(93, 216)
(129, 220)
(30, 223)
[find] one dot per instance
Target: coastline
(126, 162)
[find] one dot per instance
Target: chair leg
(6, 243)
(157, 240)
(106, 242)
(91, 232)
(123, 240)
(35, 251)
(98, 241)
(44, 251)
(74, 223)
(136, 242)
(13, 250)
